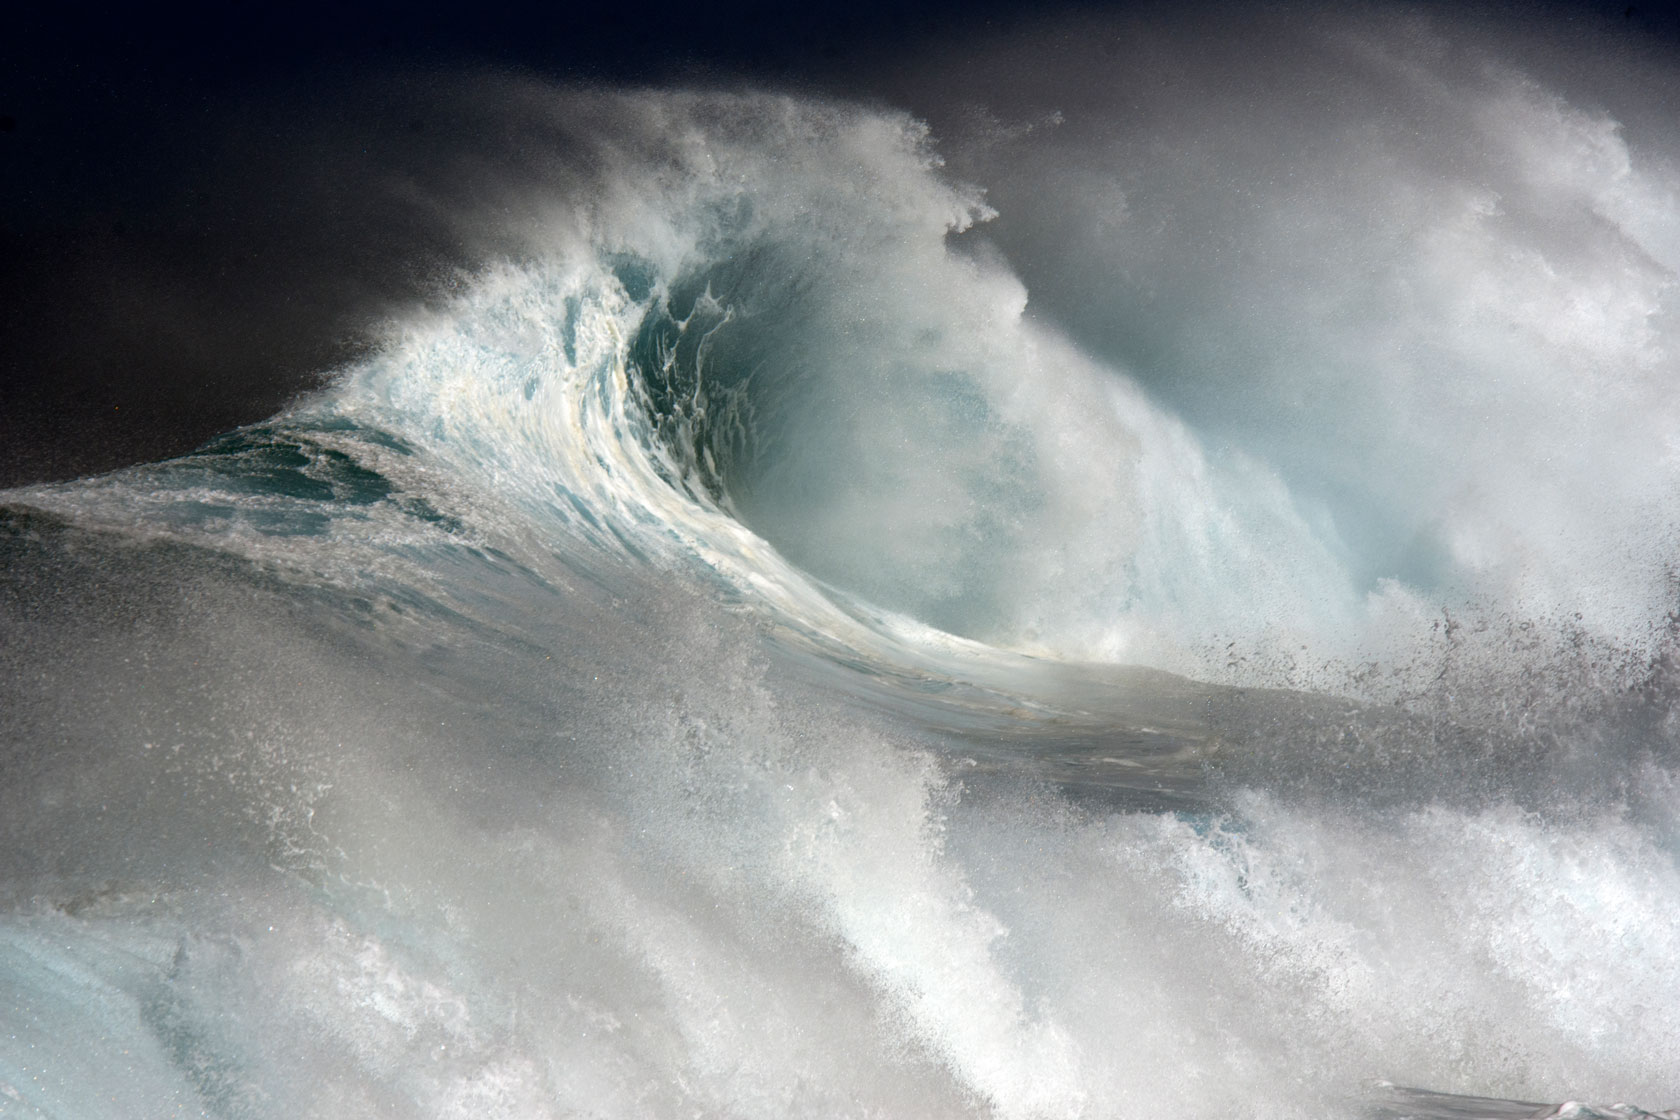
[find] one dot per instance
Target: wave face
(738, 656)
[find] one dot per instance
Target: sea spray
(715, 662)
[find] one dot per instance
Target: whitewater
(1155, 600)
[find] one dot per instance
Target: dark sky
(186, 240)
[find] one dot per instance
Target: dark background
(188, 234)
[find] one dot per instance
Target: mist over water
(1138, 584)
(1432, 292)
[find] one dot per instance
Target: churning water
(1160, 606)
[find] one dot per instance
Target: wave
(724, 324)
(737, 655)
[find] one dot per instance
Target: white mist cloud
(1415, 264)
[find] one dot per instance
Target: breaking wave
(738, 655)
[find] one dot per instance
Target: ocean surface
(1161, 602)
